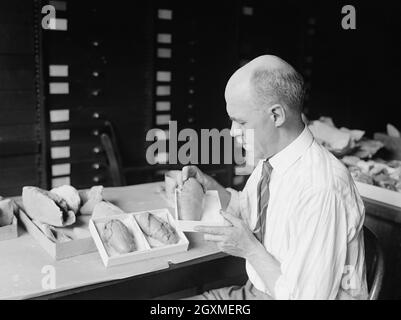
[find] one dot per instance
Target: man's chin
(250, 159)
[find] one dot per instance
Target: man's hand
(207, 183)
(239, 241)
(196, 173)
(236, 240)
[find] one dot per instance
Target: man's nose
(235, 130)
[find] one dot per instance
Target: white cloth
(313, 225)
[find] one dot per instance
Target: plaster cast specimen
(118, 237)
(156, 228)
(190, 200)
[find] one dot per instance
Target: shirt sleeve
(313, 266)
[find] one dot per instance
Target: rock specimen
(105, 209)
(91, 199)
(7, 210)
(47, 207)
(70, 195)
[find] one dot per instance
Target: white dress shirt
(314, 224)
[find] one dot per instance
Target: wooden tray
(57, 251)
(210, 216)
(145, 250)
(9, 232)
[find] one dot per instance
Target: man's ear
(277, 114)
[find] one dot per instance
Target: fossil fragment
(118, 237)
(91, 199)
(156, 228)
(190, 200)
(7, 210)
(70, 195)
(47, 207)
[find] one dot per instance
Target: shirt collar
(282, 160)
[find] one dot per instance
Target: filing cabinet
(20, 137)
(18, 38)
(20, 176)
(192, 65)
(106, 80)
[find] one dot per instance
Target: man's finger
(213, 230)
(213, 237)
(188, 172)
(222, 247)
(184, 175)
(232, 219)
(179, 180)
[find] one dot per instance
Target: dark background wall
(113, 54)
(355, 74)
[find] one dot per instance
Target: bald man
(298, 221)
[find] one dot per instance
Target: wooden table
(25, 267)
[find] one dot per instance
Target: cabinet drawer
(76, 153)
(18, 148)
(18, 99)
(18, 176)
(81, 174)
(16, 38)
(89, 180)
(82, 182)
(17, 133)
(10, 191)
(61, 134)
(87, 168)
(93, 115)
(18, 162)
(17, 115)
(17, 79)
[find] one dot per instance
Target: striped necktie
(263, 200)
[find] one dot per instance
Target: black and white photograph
(200, 154)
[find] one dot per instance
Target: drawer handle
(96, 150)
(96, 115)
(95, 92)
(96, 166)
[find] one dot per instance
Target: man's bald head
(268, 80)
(264, 100)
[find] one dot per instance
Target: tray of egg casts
(137, 236)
